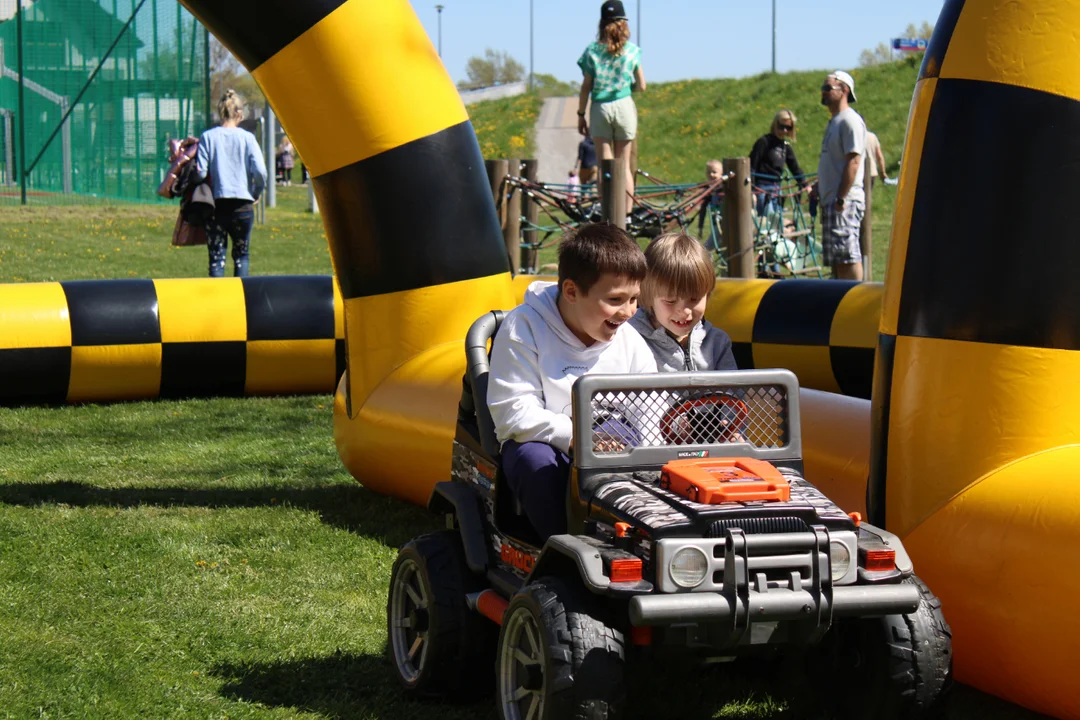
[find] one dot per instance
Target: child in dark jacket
(672, 313)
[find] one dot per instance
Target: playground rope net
(784, 242)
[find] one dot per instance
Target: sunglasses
(789, 128)
(829, 88)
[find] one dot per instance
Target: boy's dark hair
(595, 249)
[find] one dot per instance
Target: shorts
(615, 120)
(840, 233)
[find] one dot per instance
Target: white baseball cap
(847, 80)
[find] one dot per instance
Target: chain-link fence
(91, 91)
(658, 418)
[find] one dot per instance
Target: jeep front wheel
(556, 659)
(899, 666)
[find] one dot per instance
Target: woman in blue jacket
(230, 156)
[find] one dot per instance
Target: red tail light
(626, 570)
(880, 560)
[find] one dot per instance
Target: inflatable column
(976, 400)
(413, 234)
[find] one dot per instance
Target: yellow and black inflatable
(976, 414)
(99, 340)
(416, 244)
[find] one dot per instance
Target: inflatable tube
(277, 329)
(975, 405)
(824, 332)
(104, 340)
(836, 446)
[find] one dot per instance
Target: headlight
(841, 559)
(689, 567)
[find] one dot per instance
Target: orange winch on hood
(719, 480)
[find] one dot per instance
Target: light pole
(639, 23)
(440, 8)
(530, 45)
(774, 36)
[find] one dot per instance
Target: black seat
(474, 416)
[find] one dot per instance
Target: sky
(680, 39)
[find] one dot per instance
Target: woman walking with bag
(612, 70)
(234, 163)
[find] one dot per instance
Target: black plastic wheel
(899, 666)
(439, 647)
(556, 659)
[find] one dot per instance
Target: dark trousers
(232, 218)
(538, 474)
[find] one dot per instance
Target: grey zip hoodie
(709, 347)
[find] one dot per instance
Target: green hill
(684, 124)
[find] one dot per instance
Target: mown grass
(114, 240)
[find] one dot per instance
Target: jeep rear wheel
(440, 648)
(556, 659)
(900, 665)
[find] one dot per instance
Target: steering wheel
(712, 418)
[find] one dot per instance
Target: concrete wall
(494, 92)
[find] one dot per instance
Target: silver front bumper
(709, 607)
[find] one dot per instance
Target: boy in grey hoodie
(672, 314)
(564, 330)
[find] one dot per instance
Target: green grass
(211, 559)
(505, 127)
(111, 240)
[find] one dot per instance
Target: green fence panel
(128, 76)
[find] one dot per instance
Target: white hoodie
(535, 361)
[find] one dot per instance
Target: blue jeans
(538, 474)
(768, 197)
(226, 223)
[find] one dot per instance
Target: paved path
(556, 139)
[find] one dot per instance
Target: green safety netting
(128, 75)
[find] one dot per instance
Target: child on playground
(674, 294)
(574, 182)
(563, 330)
(714, 174)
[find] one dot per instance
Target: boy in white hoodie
(563, 330)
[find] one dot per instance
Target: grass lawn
(211, 558)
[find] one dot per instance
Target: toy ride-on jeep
(691, 530)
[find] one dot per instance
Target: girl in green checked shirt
(612, 69)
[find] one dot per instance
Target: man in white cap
(840, 178)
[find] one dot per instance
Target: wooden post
(512, 221)
(738, 222)
(496, 172)
(613, 191)
(529, 259)
(866, 240)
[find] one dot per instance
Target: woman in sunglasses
(770, 154)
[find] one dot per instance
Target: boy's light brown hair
(597, 249)
(679, 266)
